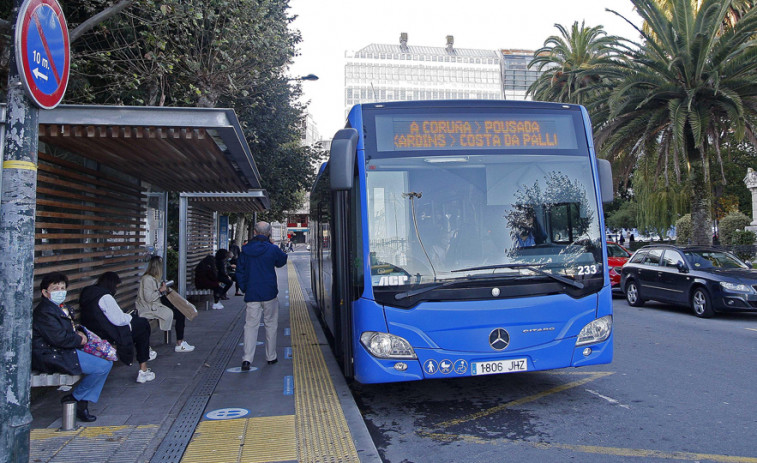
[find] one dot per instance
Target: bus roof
(467, 103)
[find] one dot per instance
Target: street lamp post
(307, 77)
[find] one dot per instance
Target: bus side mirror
(342, 160)
(605, 180)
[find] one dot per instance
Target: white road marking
(609, 399)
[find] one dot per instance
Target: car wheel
(632, 294)
(700, 303)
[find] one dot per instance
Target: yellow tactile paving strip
(98, 443)
(252, 440)
(322, 432)
(317, 432)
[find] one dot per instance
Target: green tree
(569, 61)
(215, 53)
(737, 158)
(660, 199)
(732, 223)
(683, 230)
(623, 216)
(688, 86)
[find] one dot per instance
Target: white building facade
(382, 72)
(401, 72)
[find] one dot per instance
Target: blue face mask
(58, 296)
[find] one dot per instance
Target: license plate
(498, 366)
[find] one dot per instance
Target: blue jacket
(256, 269)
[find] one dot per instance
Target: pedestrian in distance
(256, 275)
(222, 270)
(57, 344)
(102, 315)
(153, 303)
(234, 250)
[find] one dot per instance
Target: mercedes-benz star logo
(499, 339)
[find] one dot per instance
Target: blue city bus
(462, 238)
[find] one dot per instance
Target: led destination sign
(475, 132)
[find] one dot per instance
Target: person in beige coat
(153, 303)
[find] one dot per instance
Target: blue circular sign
(42, 51)
(227, 413)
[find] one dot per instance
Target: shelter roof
(194, 150)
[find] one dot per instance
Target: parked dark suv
(704, 278)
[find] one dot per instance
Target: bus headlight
(596, 331)
(387, 346)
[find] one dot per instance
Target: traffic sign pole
(18, 202)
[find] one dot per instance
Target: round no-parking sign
(42, 51)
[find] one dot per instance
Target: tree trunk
(240, 230)
(701, 197)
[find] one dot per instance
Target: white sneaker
(218, 306)
(153, 354)
(184, 347)
(145, 376)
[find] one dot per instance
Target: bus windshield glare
(431, 214)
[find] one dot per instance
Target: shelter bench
(53, 379)
(201, 294)
(155, 325)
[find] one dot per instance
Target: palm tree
(568, 61)
(689, 86)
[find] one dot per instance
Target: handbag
(183, 306)
(98, 347)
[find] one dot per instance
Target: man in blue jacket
(256, 276)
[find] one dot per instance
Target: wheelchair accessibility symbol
(227, 413)
(461, 366)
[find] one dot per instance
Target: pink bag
(98, 347)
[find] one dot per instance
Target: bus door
(342, 180)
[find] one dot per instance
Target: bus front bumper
(439, 363)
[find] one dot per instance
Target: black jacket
(222, 269)
(206, 274)
(54, 340)
(93, 318)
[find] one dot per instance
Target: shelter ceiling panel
(174, 159)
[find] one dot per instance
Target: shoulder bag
(98, 347)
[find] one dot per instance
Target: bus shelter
(104, 173)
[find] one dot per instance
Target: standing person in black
(234, 250)
(222, 270)
(57, 343)
(101, 314)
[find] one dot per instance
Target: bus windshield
(429, 215)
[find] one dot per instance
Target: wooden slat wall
(201, 237)
(88, 222)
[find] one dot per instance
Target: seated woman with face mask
(56, 346)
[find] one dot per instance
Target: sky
(331, 27)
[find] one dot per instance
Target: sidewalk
(202, 407)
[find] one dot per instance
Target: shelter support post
(183, 205)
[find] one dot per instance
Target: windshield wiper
(532, 267)
(426, 289)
